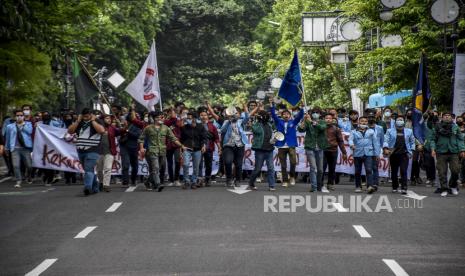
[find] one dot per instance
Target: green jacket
(155, 139)
(314, 135)
(453, 143)
(258, 135)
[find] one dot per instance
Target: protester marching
(195, 146)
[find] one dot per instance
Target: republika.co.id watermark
(329, 204)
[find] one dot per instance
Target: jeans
(282, 155)
(155, 162)
(129, 157)
(315, 160)
(330, 160)
(260, 158)
(18, 156)
(367, 162)
(399, 161)
(173, 155)
(88, 162)
(104, 166)
(233, 155)
(195, 157)
(450, 160)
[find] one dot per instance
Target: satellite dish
(445, 11)
(261, 94)
(391, 41)
(393, 4)
(351, 29)
(276, 83)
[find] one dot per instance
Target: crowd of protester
(180, 137)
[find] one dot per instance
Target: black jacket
(194, 137)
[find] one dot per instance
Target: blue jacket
(345, 126)
(10, 137)
(380, 136)
(391, 136)
(365, 144)
(291, 133)
(226, 128)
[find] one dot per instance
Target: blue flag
(291, 87)
(421, 100)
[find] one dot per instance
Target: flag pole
(302, 78)
(158, 76)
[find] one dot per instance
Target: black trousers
(207, 158)
(330, 160)
(233, 155)
(429, 165)
(399, 162)
(129, 157)
(173, 156)
(415, 173)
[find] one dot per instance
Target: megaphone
(277, 136)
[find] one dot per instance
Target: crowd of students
(180, 136)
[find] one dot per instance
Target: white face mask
(146, 119)
(387, 114)
(26, 112)
(315, 116)
(363, 126)
(400, 123)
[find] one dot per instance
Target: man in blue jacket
(18, 138)
(287, 147)
(399, 143)
(365, 147)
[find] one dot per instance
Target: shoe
(258, 180)
(272, 189)
(171, 184)
(404, 192)
(106, 189)
(324, 189)
(193, 187)
(177, 183)
(292, 181)
(444, 194)
(56, 179)
(455, 191)
(160, 188)
(371, 190)
(364, 186)
(358, 190)
(18, 184)
(331, 187)
(428, 183)
(394, 191)
(48, 185)
(29, 181)
(437, 191)
(252, 188)
(285, 184)
(86, 192)
(312, 190)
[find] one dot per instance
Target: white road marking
(395, 267)
(362, 231)
(131, 189)
(113, 207)
(41, 268)
(412, 194)
(240, 190)
(5, 179)
(85, 232)
(340, 208)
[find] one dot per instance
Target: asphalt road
(212, 231)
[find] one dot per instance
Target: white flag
(145, 88)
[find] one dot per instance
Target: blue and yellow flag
(421, 100)
(291, 87)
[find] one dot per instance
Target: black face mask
(460, 123)
(46, 118)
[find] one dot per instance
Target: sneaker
(324, 189)
(106, 189)
(252, 188)
(29, 181)
(272, 189)
(56, 178)
(171, 184)
(292, 181)
(444, 194)
(86, 192)
(371, 190)
(177, 183)
(455, 191)
(358, 190)
(258, 180)
(18, 184)
(285, 184)
(404, 192)
(394, 191)
(428, 183)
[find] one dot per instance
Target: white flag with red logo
(145, 88)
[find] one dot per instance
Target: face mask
(387, 114)
(160, 122)
(295, 113)
(27, 112)
(400, 123)
(363, 126)
(188, 122)
(198, 121)
(353, 117)
(315, 116)
(146, 119)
